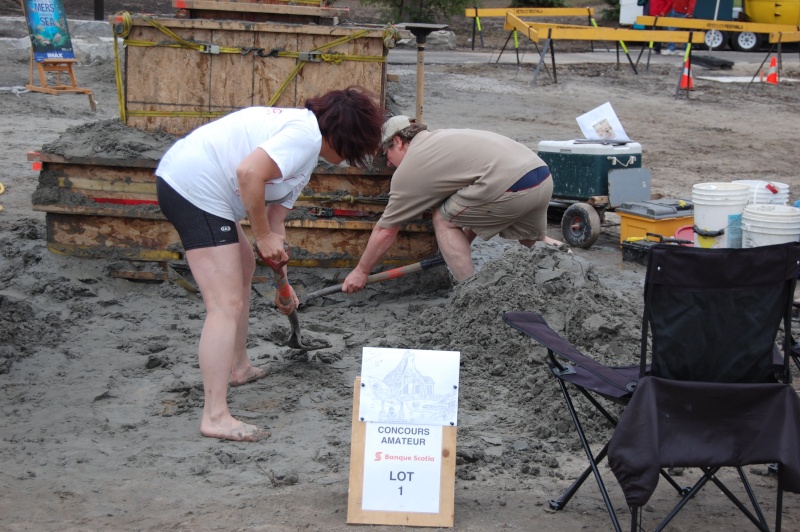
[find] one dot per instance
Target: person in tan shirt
(477, 183)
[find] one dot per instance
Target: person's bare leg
(218, 272)
(454, 244)
(243, 370)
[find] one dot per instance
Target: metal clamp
(310, 57)
(209, 49)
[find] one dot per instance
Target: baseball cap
(393, 125)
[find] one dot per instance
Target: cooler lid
(584, 147)
(662, 208)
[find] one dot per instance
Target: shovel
(378, 277)
(285, 294)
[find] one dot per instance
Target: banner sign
(47, 26)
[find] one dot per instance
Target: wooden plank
(166, 80)
(570, 32)
(313, 243)
(102, 252)
(116, 211)
(270, 73)
(784, 36)
(317, 77)
(285, 9)
(471, 12)
(375, 31)
(361, 181)
(722, 25)
(93, 161)
(232, 80)
(112, 233)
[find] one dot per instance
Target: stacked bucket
(746, 213)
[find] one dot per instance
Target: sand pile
(504, 380)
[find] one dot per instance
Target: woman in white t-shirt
(252, 164)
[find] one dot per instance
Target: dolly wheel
(580, 225)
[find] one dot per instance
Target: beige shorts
(514, 215)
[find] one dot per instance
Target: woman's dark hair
(351, 121)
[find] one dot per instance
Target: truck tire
(580, 225)
(746, 41)
(715, 40)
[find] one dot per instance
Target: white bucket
(764, 225)
(718, 211)
(770, 192)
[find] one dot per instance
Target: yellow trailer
(746, 32)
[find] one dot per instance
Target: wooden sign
(403, 444)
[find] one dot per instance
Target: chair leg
(752, 496)
(561, 502)
(590, 457)
(779, 504)
(635, 524)
(710, 474)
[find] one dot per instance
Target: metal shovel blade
(296, 342)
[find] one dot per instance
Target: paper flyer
(602, 124)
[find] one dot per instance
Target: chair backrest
(714, 314)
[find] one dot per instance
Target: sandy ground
(100, 388)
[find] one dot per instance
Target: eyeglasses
(386, 151)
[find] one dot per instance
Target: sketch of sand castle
(407, 396)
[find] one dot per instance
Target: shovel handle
(382, 276)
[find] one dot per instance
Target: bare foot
(251, 374)
(242, 432)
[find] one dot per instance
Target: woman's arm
(253, 173)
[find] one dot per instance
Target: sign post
(403, 445)
(51, 48)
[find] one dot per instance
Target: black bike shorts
(196, 227)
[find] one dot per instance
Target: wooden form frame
(176, 90)
(355, 515)
(59, 66)
(100, 208)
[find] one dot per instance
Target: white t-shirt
(201, 167)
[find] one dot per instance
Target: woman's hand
(271, 247)
(287, 306)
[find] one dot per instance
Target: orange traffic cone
(687, 83)
(772, 75)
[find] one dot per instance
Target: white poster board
(411, 386)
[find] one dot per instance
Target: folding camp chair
(709, 328)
